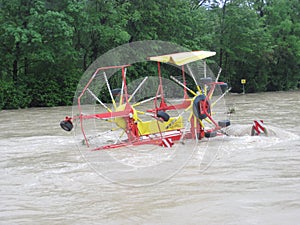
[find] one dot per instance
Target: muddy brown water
(251, 180)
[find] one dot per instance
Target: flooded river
(249, 180)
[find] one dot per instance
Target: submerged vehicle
(194, 110)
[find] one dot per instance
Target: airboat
(163, 127)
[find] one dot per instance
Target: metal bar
(219, 73)
(136, 90)
(122, 89)
(108, 86)
(192, 75)
(181, 84)
(98, 100)
(212, 105)
(146, 100)
(204, 63)
(124, 81)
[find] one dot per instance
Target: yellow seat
(155, 126)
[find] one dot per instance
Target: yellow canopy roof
(182, 58)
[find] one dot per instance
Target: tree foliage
(47, 45)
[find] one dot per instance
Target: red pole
(184, 82)
(160, 81)
(124, 82)
(160, 88)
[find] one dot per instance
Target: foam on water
(239, 136)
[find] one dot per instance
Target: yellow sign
(243, 81)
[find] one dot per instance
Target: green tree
(46, 45)
(107, 21)
(246, 44)
(37, 44)
(283, 24)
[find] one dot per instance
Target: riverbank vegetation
(47, 45)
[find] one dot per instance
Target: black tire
(66, 125)
(210, 134)
(206, 80)
(224, 123)
(200, 99)
(223, 87)
(165, 116)
(116, 91)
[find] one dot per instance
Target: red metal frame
(132, 132)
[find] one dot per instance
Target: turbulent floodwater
(248, 180)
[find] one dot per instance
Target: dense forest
(46, 45)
